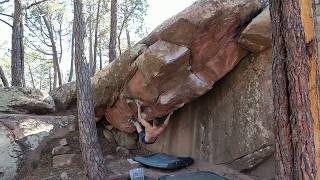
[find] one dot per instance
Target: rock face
(25, 100)
(23, 133)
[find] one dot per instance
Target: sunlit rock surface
(25, 100)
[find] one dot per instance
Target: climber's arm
(140, 119)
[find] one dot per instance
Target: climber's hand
(138, 103)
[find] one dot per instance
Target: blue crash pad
(164, 161)
(201, 175)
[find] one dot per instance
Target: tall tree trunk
(95, 46)
(3, 78)
(17, 50)
(113, 31)
(90, 147)
(31, 77)
(55, 59)
(128, 38)
(72, 54)
(295, 73)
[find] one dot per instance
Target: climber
(150, 132)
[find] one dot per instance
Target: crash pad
(203, 175)
(164, 161)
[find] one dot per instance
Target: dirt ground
(33, 167)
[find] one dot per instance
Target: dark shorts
(142, 136)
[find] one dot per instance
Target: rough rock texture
(63, 160)
(257, 35)
(126, 140)
(9, 153)
(231, 124)
(25, 100)
(29, 130)
(22, 133)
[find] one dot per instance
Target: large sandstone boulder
(187, 54)
(25, 100)
(106, 84)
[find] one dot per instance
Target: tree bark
(3, 78)
(55, 59)
(295, 73)
(90, 147)
(90, 42)
(95, 46)
(113, 31)
(17, 50)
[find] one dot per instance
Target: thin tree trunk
(90, 147)
(41, 79)
(55, 59)
(113, 31)
(54, 85)
(50, 80)
(60, 41)
(90, 42)
(72, 54)
(31, 77)
(119, 44)
(3, 78)
(100, 56)
(95, 46)
(128, 38)
(17, 50)
(295, 73)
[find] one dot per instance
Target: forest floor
(39, 164)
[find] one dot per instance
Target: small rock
(109, 127)
(124, 139)
(109, 157)
(60, 150)
(109, 136)
(72, 127)
(63, 142)
(63, 160)
(122, 150)
(64, 176)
